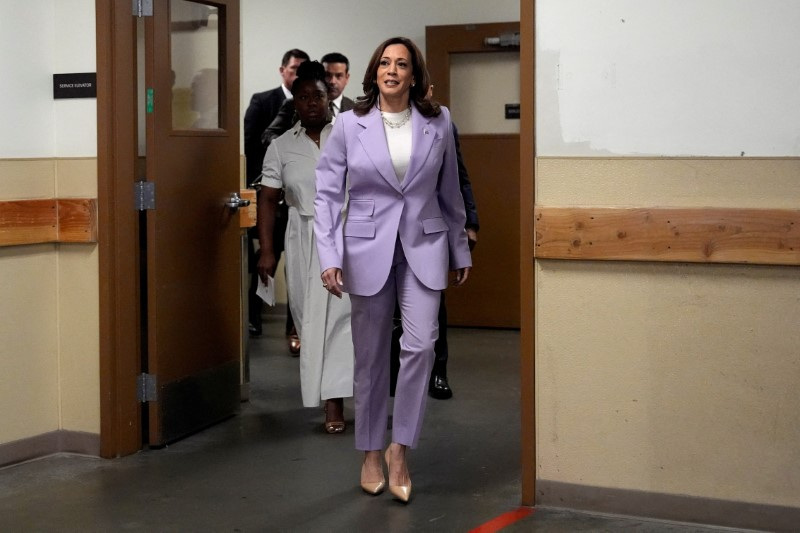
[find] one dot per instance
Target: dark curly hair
(308, 70)
(418, 92)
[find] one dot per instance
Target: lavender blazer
(426, 211)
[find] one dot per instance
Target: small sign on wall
(77, 85)
(512, 111)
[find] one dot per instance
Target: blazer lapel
(422, 137)
(373, 139)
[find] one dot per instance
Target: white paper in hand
(266, 292)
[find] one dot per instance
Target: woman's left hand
(461, 276)
(332, 281)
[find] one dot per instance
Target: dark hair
(336, 57)
(418, 92)
(309, 71)
(294, 52)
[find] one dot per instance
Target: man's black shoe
(439, 389)
(255, 331)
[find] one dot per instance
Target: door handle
(235, 202)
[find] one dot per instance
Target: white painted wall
(351, 27)
(472, 78)
(671, 78)
(34, 48)
(75, 51)
(27, 41)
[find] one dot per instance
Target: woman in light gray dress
(322, 320)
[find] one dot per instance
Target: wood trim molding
(118, 233)
(248, 216)
(697, 235)
(60, 441)
(72, 220)
(527, 201)
(661, 506)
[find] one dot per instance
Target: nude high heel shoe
(400, 492)
(374, 487)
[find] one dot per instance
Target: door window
(194, 43)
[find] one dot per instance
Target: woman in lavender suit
(394, 158)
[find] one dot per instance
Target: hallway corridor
(272, 467)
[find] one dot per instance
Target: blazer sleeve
(330, 198)
(282, 122)
(253, 126)
(451, 202)
(466, 187)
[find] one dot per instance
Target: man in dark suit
(260, 113)
(337, 74)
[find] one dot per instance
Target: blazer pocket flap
(359, 229)
(361, 208)
(434, 225)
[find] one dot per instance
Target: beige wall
(667, 377)
(481, 84)
(49, 340)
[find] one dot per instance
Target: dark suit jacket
(260, 113)
(285, 119)
(466, 187)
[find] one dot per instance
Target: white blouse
(399, 141)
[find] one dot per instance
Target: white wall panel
(27, 41)
(75, 51)
(676, 77)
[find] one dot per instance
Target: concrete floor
(272, 468)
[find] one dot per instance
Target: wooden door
(491, 297)
(193, 255)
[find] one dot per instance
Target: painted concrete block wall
(669, 378)
(668, 78)
(49, 347)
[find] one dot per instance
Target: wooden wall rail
(757, 236)
(248, 215)
(65, 220)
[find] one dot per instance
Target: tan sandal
(334, 426)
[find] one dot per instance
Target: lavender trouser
(371, 322)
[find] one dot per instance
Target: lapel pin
(425, 131)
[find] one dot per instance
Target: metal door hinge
(146, 390)
(144, 195)
(142, 8)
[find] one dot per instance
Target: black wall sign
(512, 111)
(80, 85)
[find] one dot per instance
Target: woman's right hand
(266, 264)
(332, 281)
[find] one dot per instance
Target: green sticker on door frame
(149, 100)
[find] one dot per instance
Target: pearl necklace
(401, 122)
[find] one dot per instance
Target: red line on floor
(504, 520)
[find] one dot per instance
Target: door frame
(527, 270)
(118, 231)
(120, 326)
(469, 38)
